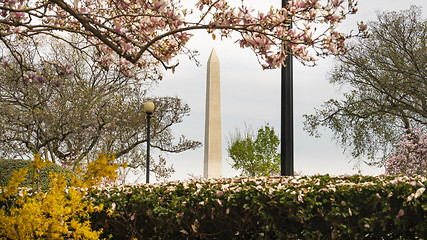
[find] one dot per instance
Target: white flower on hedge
(195, 225)
(419, 192)
(300, 195)
(113, 206)
(410, 197)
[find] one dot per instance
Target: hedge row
(317, 207)
(8, 166)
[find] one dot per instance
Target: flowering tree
(60, 213)
(68, 108)
(411, 157)
(161, 28)
(385, 88)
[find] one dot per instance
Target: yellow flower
(58, 213)
(12, 187)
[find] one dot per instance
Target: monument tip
(213, 57)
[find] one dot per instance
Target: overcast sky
(252, 96)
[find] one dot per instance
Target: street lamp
(148, 109)
(287, 118)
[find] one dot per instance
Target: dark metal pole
(287, 116)
(148, 147)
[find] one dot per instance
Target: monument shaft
(213, 156)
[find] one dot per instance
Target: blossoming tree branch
(135, 30)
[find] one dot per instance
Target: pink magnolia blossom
(300, 198)
(337, 3)
(160, 28)
(219, 193)
(411, 155)
(400, 213)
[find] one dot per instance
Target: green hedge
(317, 207)
(7, 166)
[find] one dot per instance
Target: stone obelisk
(213, 157)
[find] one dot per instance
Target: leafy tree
(67, 107)
(386, 77)
(411, 157)
(255, 154)
(161, 28)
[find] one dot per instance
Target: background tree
(386, 76)
(255, 154)
(64, 105)
(160, 28)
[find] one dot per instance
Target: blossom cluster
(30, 73)
(411, 155)
(161, 28)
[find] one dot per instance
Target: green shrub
(317, 207)
(7, 166)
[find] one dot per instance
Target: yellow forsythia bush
(60, 213)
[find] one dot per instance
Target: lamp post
(148, 109)
(287, 122)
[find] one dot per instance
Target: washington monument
(213, 157)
